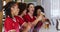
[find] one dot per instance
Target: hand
(27, 28)
(44, 19)
(13, 30)
(40, 17)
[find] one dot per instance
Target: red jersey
(10, 24)
(20, 20)
(27, 18)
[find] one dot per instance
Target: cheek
(38, 13)
(13, 12)
(16, 11)
(32, 9)
(25, 12)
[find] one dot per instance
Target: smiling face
(15, 9)
(31, 8)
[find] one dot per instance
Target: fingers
(13, 30)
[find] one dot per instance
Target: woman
(29, 15)
(29, 18)
(38, 10)
(22, 11)
(11, 10)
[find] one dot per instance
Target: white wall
(38, 2)
(47, 7)
(52, 10)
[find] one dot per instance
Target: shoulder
(26, 16)
(7, 18)
(17, 17)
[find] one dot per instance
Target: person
(38, 10)
(29, 15)
(29, 18)
(11, 10)
(22, 11)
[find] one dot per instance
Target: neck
(21, 15)
(12, 15)
(30, 14)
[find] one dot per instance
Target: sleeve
(21, 22)
(7, 25)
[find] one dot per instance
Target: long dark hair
(22, 7)
(7, 8)
(38, 7)
(29, 6)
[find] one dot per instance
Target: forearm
(26, 27)
(35, 22)
(13, 30)
(25, 30)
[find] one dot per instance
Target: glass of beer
(46, 25)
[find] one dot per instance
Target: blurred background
(51, 8)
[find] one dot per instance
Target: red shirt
(9, 24)
(27, 18)
(20, 20)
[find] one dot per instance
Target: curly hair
(38, 7)
(22, 7)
